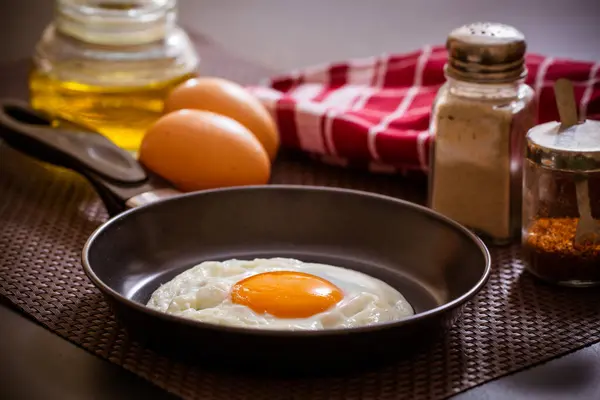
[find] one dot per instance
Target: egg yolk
(286, 294)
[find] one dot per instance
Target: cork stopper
(486, 52)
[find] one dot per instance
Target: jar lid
(576, 148)
(486, 52)
(122, 23)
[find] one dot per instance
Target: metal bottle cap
(486, 52)
(576, 148)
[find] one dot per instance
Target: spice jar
(559, 163)
(108, 65)
(479, 121)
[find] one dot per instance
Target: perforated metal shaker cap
(576, 148)
(486, 52)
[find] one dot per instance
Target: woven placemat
(47, 213)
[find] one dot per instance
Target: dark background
(286, 34)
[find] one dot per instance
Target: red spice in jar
(551, 253)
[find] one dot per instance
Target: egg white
(203, 293)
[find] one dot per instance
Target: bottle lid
(486, 52)
(116, 22)
(576, 148)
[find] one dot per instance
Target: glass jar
(479, 120)
(560, 166)
(108, 65)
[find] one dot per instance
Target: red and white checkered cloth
(374, 112)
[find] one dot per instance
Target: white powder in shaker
(475, 143)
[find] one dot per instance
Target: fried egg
(279, 293)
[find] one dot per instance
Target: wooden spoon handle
(565, 101)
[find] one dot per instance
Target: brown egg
(197, 150)
(230, 99)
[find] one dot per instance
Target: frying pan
(156, 233)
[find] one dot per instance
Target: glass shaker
(479, 120)
(109, 64)
(561, 196)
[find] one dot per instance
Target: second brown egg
(230, 99)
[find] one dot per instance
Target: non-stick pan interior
(431, 260)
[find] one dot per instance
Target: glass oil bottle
(109, 64)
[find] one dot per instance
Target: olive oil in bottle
(108, 65)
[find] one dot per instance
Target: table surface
(37, 364)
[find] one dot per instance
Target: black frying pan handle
(114, 173)
(68, 146)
